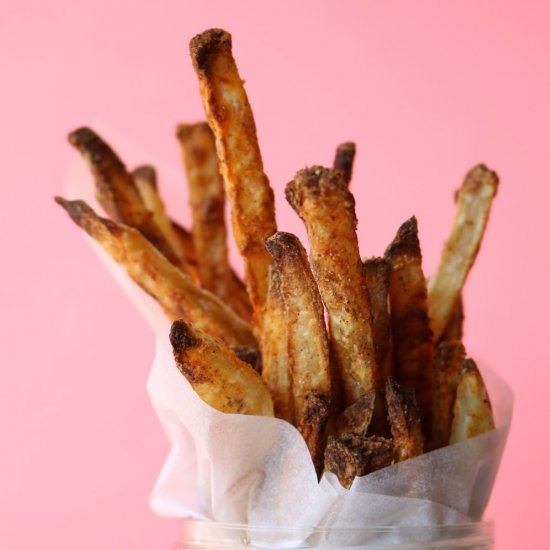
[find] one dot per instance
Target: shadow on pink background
(425, 90)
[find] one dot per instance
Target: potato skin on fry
(116, 190)
(356, 418)
(250, 195)
(343, 160)
(350, 456)
(459, 253)
(175, 291)
(321, 198)
(447, 367)
(308, 348)
(404, 418)
(207, 199)
(218, 376)
(472, 413)
(412, 336)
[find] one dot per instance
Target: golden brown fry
(454, 329)
(404, 420)
(250, 355)
(145, 178)
(308, 348)
(473, 206)
(412, 337)
(356, 418)
(188, 247)
(321, 198)
(116, 191)
(274, 346)
(174, 290)
(350, 456)
(247, 187)
(218, 376)
(447, 367)
(208, 210)
(343, 161)
(377, 273)
(472, 410)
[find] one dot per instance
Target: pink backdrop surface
(426, 89)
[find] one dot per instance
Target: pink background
(426, 89)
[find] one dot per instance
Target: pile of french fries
(364, 357)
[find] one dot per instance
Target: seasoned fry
(218, 376)
(343, 161)
(250, 355)
(404, 420)
(356, 418)
(308, 348)
(447, 367)
(412, 337)
(145, 178)
(187, 246)
(174, 290)
(116, 191)
(473, 206)
(350, 456)
(247, 187)
(472, 410)
(454, 329)
(377, 273)
(274, 346)
(321, 198)
(208, 210)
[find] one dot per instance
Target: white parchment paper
(257, 471)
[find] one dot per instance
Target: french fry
(145, 178)
(218, 376)
(274, 346)
(208, 211)
(321, 198)
(454, 329)
(412, 337)
(473, 206)
(308, 348)
(447, 367)
(343, 160)
(404, 419)
(250, 355)
(350, 456)
(472, 409)
(116, 191)
(357, 417)
(250, 195)
(377, 272)
(174, 290)
(188, 247)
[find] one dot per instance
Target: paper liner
(258, 471)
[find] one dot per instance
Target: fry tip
(209, 42)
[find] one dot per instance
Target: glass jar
(204, 535)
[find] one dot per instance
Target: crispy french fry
(145, 178)
(404, 420)
(454, 329)
(116, 190)
(247, 187)
(250, 355)
(188, 247)
(377, 273)
(174, 290)
(274, 346)
(447, 367)
(473, 206)
(218, 376)
(308, 348)
(208, 210)
(321, 198)
(356, 418)
(343, 160)
(472, 409)
(350, 456)
(412, 337)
